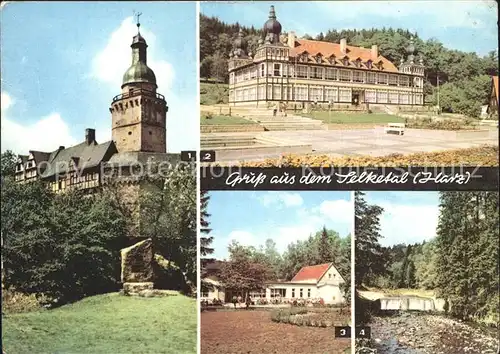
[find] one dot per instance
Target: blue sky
(62, 63)
(408, 217)
(470, 26)
(252, 217)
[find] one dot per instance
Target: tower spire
(137, 15)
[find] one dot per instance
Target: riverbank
(414, 333)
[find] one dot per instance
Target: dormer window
(358, 62)
(303, 58)
(345, 61)
(319, 58)
(369, 64)
(331, 59)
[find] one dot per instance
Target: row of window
(319, 73)
(320, 94)
(61, 185)
(281, 292)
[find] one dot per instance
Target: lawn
(223, 120)
(332, 117)
(228, 332)
(108, 323)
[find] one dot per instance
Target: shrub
(16, 302)
(63, 246)
(209, 116)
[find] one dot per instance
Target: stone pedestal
(136, 288)
(137, 267)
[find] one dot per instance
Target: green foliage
(168, 216)
(8, 164)
(369, 260)
(205, 238)
(243, 272)
(16, 302)
(63, 246)
(464, 95)
(213, 93)
(467, 254)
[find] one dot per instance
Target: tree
(467, 254)
(205, 238)
(8, 163)
(168, 210)
(241, 272)
(368, 252)
(206, 67)
(64, 246)
(325, 247)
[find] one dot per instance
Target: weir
(409, 303)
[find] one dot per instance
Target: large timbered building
(293, 70)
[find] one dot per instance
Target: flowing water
(418, 333)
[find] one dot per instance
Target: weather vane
(137, 15)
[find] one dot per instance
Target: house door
(355, 98)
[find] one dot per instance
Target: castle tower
(139, 113)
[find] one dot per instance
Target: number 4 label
(363, 332)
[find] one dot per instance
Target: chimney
(291, 39)
(343, 46)
(89, 136)
(374, 52)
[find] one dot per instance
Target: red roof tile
(326, 49)
(311, 272)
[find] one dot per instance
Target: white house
(320, 281)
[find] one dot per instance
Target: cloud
(280, 199)
(109, 65)
(114, 59)
(462, 14)
(405, 223)
(242, 237)
(20, 138)
(303, 222)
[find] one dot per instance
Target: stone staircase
(265, 118)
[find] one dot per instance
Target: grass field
(108, 323)
(212, 93)
(223, 120)
(353, 118)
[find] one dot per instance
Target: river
(419, 333)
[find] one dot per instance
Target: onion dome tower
(139, 113)
(272, 29)
(240, 45)
(409, 66)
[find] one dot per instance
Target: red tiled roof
(495, 85)
(326, 49)
(311, 272)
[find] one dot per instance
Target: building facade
(292, 70)
(311, 283)
(138, 117)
